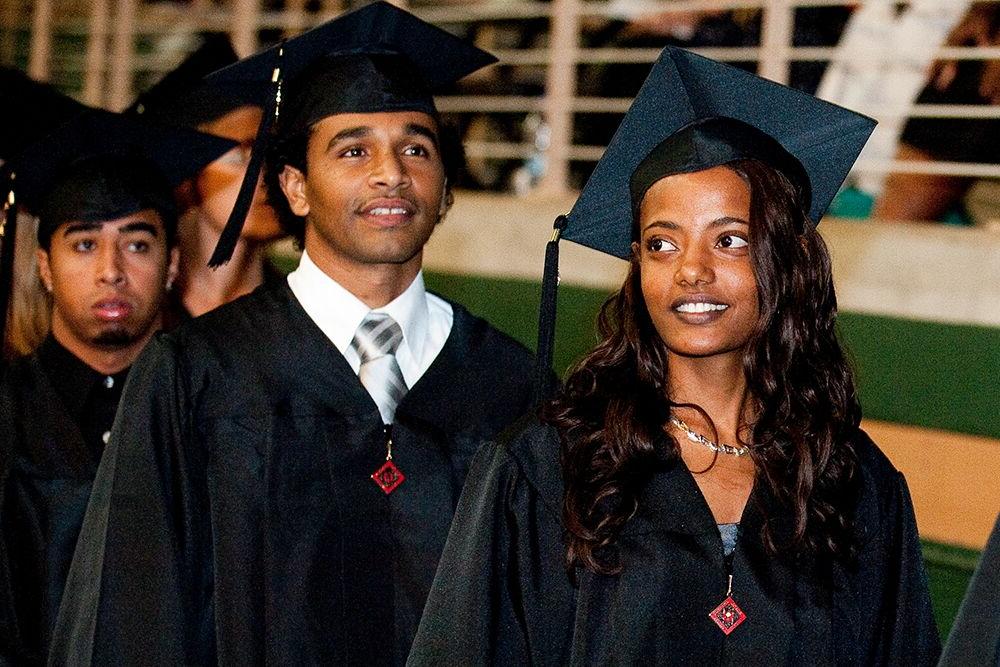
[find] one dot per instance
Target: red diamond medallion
(388, 477)
(728, 615)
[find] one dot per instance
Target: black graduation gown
(975, 636)
(53, 410)
(503, 597)
(233, 519)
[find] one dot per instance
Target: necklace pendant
(728, 615)
(388, 477)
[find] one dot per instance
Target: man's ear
(173, 267)
(447, 199)
(293, 184)
(44, 269)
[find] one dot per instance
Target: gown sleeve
(897, 622)
(501, 595)
(975, 637)
(139, 590)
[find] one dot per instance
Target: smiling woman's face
(694, 259)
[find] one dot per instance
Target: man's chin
(114, 338)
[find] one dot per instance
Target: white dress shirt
(424, 318)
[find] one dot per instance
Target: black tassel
(8, 234)
(234, 226)
(547, 314)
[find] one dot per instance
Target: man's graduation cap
(30, 109)
(691, 114)
(377, 58)
(182, 97)
(99, 165)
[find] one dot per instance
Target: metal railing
(110, 32)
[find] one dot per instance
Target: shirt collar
(73, 380)
(338, 313)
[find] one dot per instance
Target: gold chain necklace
(719, 447)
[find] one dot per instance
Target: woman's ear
(293, 184)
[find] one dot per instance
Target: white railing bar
(776, 32)
(245, 26)
(631, 56)
(40, 52)
(496, 150)
(614, 56)
(560, 89)
(509, 151)
(485, 12)
(832, 53)
(601, 8)
(119, 91)
(974, 170)
(95, 58)
(489, 103)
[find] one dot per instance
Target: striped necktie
(376, 341)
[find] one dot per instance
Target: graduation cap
(377, 58)
(30, 109)
(691, 114)
(99, 165)
(182, 97)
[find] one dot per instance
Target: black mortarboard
(104, 165)
(182, 97)
(691, 114)
(377, 58)
(30, 110)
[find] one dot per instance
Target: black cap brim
(29, 111)
(178, 152)
(183, 97)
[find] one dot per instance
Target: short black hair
(107, 187)
(291, 150)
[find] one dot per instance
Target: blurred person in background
(30, 110)
(106, 257)
(232, 112)
(971, 82)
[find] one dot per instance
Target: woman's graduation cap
(182, 97)
(691, 114)
(39, 173)
(377, 58)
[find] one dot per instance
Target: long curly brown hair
(801, 394)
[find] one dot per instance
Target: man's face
(218, 183)
(107, 280)
(373, 188)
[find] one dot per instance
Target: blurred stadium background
(920, 300)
